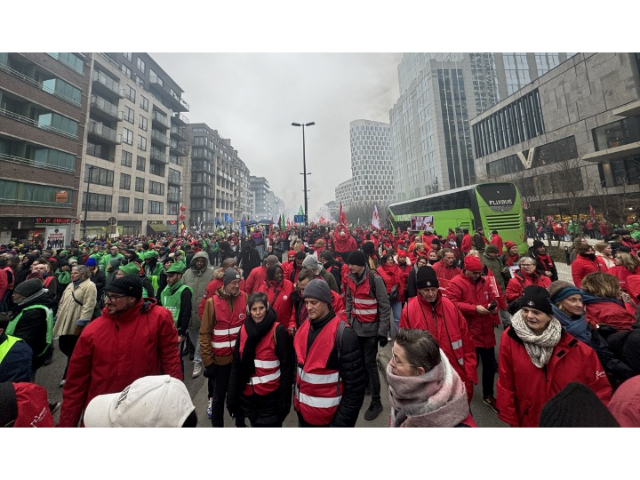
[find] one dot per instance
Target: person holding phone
(473, 296)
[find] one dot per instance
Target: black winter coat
(32, 327)
(248, 259)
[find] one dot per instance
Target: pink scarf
(435, 399)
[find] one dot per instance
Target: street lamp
(86, 206)
(304, 168)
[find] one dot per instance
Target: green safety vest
(12, 325)
(171, 301)
(6, 346)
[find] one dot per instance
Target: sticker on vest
(284, 297)
(241, 316)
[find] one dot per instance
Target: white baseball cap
(153, 401)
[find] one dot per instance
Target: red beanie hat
(402, 254)
(473, 264)
(509, 244)
(292, 253)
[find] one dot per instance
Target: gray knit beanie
(318, 289)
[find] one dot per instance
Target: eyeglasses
(528, 265)
(112, 298)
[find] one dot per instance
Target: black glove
(383, 341)
(208, 370)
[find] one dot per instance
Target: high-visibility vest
(6, 346)
(49, 319)
(318, 389)
(266, 378)
(171, 300)
(228, 324)
(364, 308)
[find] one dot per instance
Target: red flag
(343, 217)
(592, 212)
(375, 218)
(288, 223)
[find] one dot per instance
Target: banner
(55, 237)
(375, 219)
(422, 223)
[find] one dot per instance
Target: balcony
(106, 109)
(160, 120)
(178, 149)
(158, 156)
(173, 197)
(106, 84)
(179, 133)
(173, 101)
(103, 133)
(160, 138)
(179, 119)
(40, 123)
(39, 85)
(175, 179)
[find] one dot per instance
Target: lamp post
(304, 171)
(86, 206)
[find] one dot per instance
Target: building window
(141, 163)
(128, 56)
(123, 205)
(126, 70)
(130, 93)
(17, 193)
(139, 81)
(156, 188)
(127, 136)
(141, 65)
(156, 169)
(125, 181)
(144, 103)
(97, 202)
(138, 205)
(48, 157)
(99, 176)
(155, 207)
(126, 158)
(129, 114)
(62, 89)
(58, 124)
(139, 184)
(143, 123)
(142, 142)
(617, 134)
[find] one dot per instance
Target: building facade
(134, 152)
(569, 139)
(260, 189)
(371, 168)
(43, 105)
(439, 93)
(344, 194)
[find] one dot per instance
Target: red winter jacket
(497, 241)
(255, 279)
(279, 298)
(465, 294)
(523, 389)
(115, 350)
(621, 273)
(465, 247)
(522, 280)
(445, 273)
(447, 325)
(214, 285)
(393, 278)
(583, 266)
(609, 313)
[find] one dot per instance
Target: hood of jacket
(144, 305)
(201, 254)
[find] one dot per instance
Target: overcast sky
(252, 99)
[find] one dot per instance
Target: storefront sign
(62, 197)
(51, 220)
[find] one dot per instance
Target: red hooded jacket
(115, 350)
(523, 389)
(583, 266)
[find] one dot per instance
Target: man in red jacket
(446, 269)
(256, 278)
(473, 296)
(465, 247)
(133, 338)
(430, 311)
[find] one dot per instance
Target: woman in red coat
(605, 302)
(525, 277)
(585, 263)
(538, 359)
(512, 256)
(626, 264)
(393, 279)
(279, 290)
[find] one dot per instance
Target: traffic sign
(299, 218)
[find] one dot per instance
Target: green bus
(494, 206)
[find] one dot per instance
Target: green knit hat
(131, 268)
(177, 267)
(150, 254)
